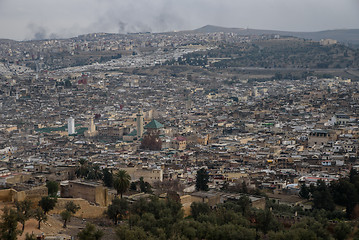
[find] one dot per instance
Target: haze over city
(39, 19)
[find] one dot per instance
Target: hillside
(341, 35)
(288, 53)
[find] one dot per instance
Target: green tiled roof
(133, 133)
(81, 131)
(154, 125)
(52, 129)
(58, 129)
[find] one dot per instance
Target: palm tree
(83, 169)
(122, 182)
(95, 173)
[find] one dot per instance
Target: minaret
(71, 126)
(139, 121)
(92, 127)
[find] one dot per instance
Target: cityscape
(212, 133)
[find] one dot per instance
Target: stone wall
(18, 178)
(92, 192)
(87, 210)
(186, 201)
(7, 195)
(34, 194)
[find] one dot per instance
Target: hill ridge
(341, 35)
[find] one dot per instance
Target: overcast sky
(30, 19)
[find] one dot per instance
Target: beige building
(34, 194)
(214, 198)
(320, 137)
(328, 41)
(91, 130)
(149, 175)
(179, 143)
(211, 199)
(90, 191)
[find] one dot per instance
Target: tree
(353, 176)
(133, 186)
(134, 233)
(155, 215)
(94, 173)
(107, 178)
(47, 203)
(65, 216)
(318, 228)
(122, 182)
(90, 233)
(40, 216)
(245, 205)
(322, 198)
(199, 208)
(304, 191)
(88, 170)
(72, 207)
(117, 210)
(345, 193)
(24, 212)
(297, 233)
(266, 221)
(244, 188)
(82, 170)
(52, 188)
(342, 230)
(8, 225)
(202, 180)
(145, 186)
(30, 236)
(68, 83)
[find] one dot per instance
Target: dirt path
(54, 226)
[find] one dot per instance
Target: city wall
(86, 211)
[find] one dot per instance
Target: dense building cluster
(163, 125)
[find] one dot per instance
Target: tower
(71, 126)
(92, 126)
(91, 131)
(139, 121)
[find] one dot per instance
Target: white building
(71, 126)
(340, 119)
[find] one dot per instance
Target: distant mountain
(350, 36)
(341, 35)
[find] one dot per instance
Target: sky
(39, 19)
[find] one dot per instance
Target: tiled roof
(154, 125)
